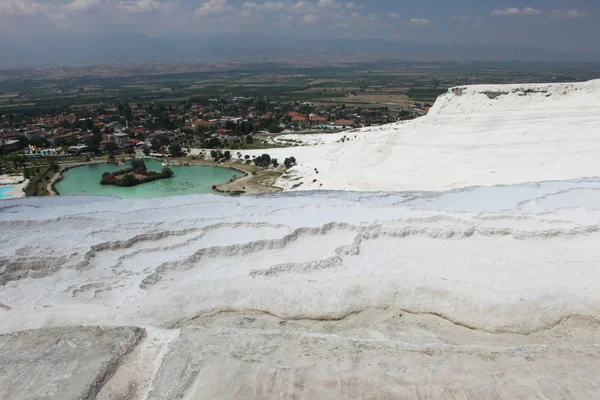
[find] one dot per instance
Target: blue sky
(551, 24)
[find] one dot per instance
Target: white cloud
(461, 18)
(532, 12)
(140, 6)
(329, 4)
(311, 19)
(527, 11)
(267, 7)
(394, 15)
(80, 5)
(270, 6)
(419, 21)
(569, 14)
(214, 7)
(20, 7)
(350, 5)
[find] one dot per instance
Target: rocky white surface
(478, 292)
(475, 135)
(475, 293)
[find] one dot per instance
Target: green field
(394, 84)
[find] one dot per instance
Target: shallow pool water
(4, 192)
(187, 180)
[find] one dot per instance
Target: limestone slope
(473, 135)
(486, 292)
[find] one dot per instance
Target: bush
(105, 174)
(175, 150)
(227, 155)
(128, 180)
(54, 166)
(167, 172)
(289, 162)
(263, 161)
(26, 173)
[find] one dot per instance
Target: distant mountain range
(47, 51)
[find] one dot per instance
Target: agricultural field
(394, 85)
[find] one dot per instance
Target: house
(318, 119)
(35, 134)
(121, 139)
(8, 145)
(200, 123)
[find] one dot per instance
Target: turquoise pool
(187, 180)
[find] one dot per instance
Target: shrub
(167, 172)
(263, 161)
(175, 150)
(289, 162)
(128, 180)
(54, 166)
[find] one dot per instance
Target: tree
(263, 161)
(17, 159)
(155, 145)
(54, 167)
(138, 163)
(249, 139)
(111, 147)
(175, 150)
(289, 162)
(168, 172)
(227, 155)
(214, 154)
(212, 143)
(275, 162)
(146, 150)
(26, 173)
(128, 180)
(275, 129)
(164, 140)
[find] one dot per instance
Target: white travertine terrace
(438, 279)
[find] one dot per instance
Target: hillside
(34, 51)
(478, 135)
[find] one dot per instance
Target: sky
(550, 24)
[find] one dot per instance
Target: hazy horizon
(50, 32)
(551, 24)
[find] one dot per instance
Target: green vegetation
(135, 175)
(365, 84)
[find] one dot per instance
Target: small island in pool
(136, 175)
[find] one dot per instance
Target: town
(237, 123)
